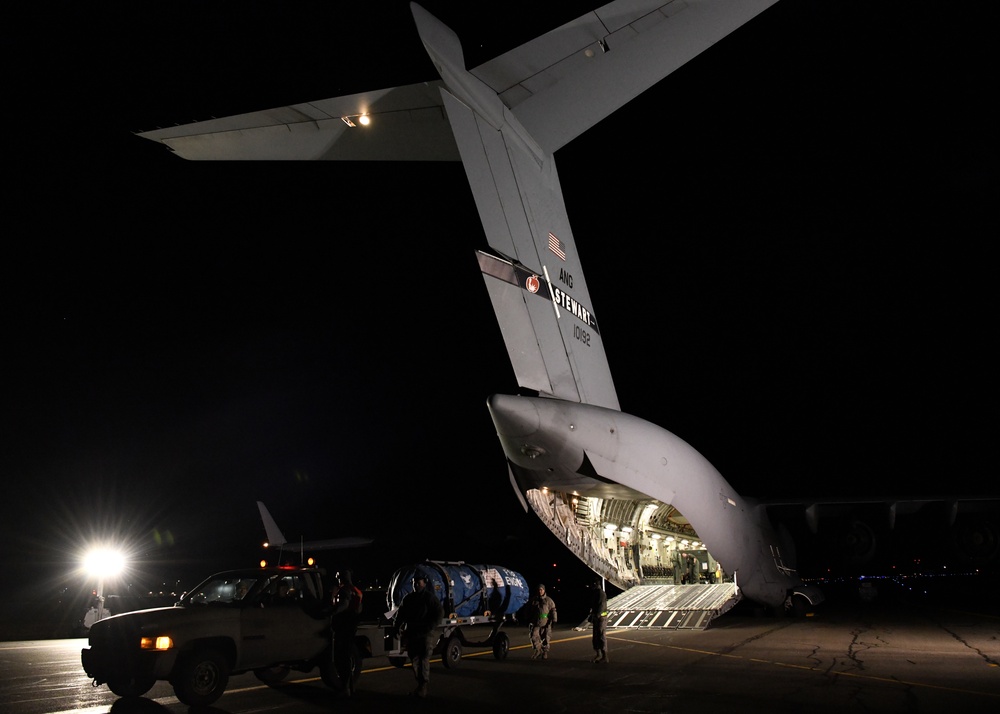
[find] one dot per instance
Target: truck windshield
(220, 590)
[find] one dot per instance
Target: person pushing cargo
(543, 614)
(419, 614)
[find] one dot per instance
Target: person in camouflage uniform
(543, 617)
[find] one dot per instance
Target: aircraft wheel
(202, 679)
(501, 645)
(797, 607)
(132, 687)
(452, 652)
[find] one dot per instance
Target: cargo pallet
(452, 639)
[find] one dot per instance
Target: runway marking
(817, 670)
(391, 667)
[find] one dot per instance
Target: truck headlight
(156, 643)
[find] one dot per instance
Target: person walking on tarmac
(543, 613)
(344, 624)
(419, 614)
(599, 620)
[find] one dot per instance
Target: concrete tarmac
(862, 659)
(885, 657)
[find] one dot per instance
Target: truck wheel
(202, 678)
(271, 675)
(501, 645)
(452, 652)
(132, 687)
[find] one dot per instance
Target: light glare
(104, 562)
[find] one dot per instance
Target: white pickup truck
(266, 620)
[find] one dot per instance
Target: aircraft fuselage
(589, 450)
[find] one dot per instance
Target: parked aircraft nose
(514, 417)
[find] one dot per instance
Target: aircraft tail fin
(274, 535)
(533, 273)
(508, 118)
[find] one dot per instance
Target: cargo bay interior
(646, 548)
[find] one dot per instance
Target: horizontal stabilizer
(567, 80)
(403, 124)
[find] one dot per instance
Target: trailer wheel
(452, 652)
(501, 645)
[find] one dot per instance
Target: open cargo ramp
(673, 607)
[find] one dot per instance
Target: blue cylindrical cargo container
(464, 589)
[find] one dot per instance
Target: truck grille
(115, 633)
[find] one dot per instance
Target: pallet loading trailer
(452, 639)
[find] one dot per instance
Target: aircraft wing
(853, 527)
(276, 539)
(944, 510)
(336, 543)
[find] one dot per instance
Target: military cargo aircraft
(636, 503)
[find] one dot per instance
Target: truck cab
(265, 620)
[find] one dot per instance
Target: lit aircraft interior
(628, 541)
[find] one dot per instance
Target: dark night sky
(787, 245)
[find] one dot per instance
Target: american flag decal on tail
(556, 246)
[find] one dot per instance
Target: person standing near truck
(344, 625)
(543, 613)
(419, 615)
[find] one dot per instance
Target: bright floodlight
(104, 562)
